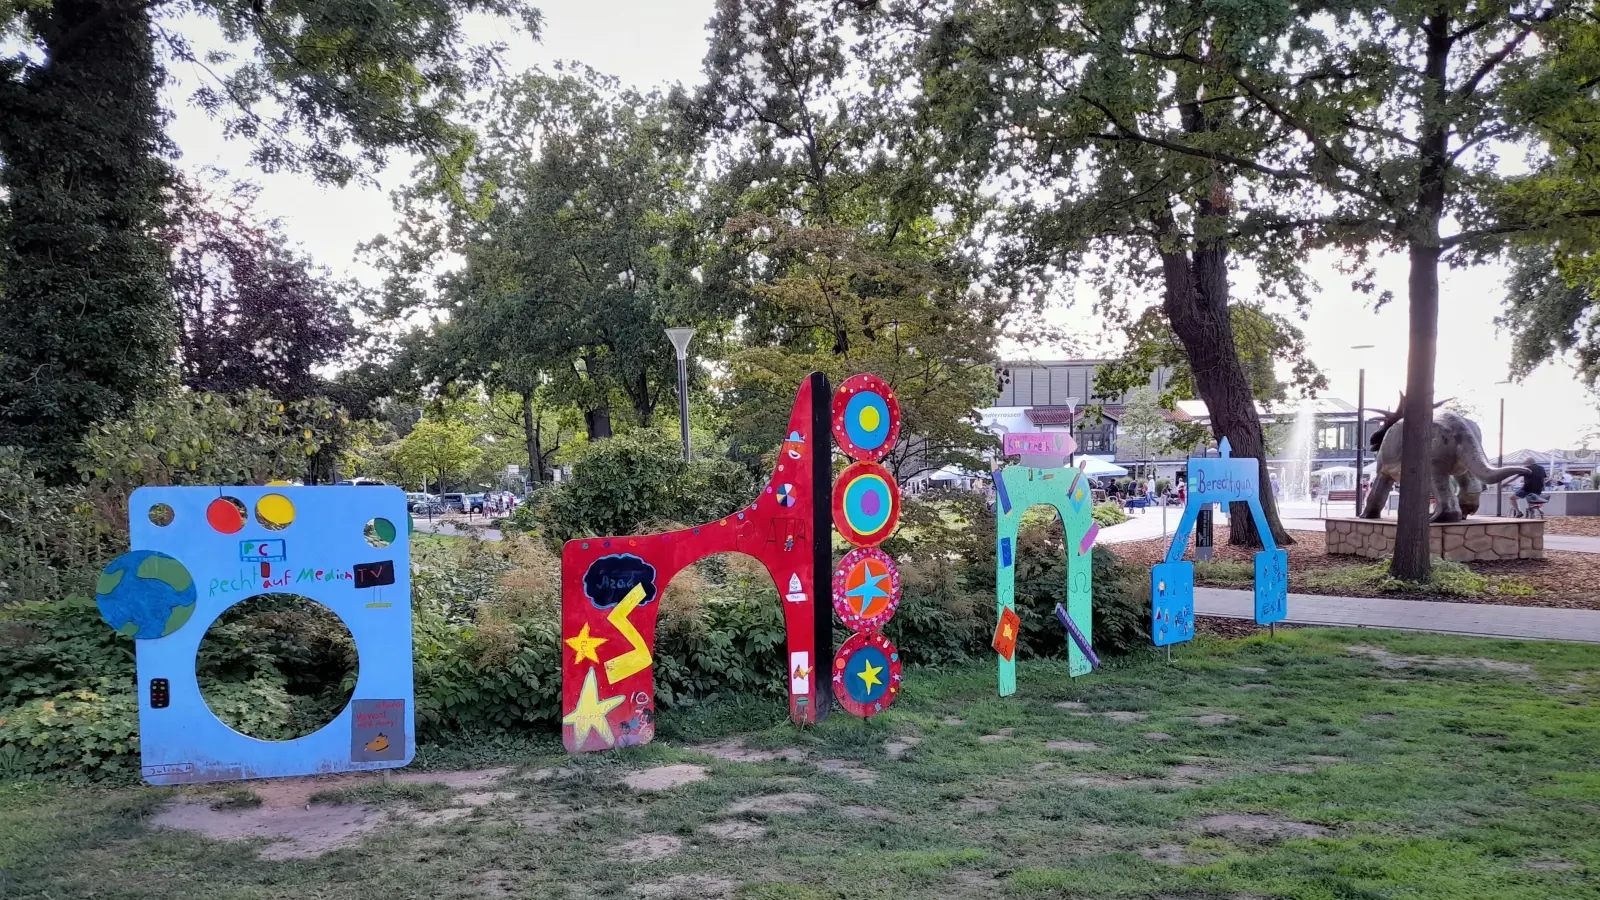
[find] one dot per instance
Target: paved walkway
(1572, 543)
(1485, 620)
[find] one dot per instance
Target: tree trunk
(530, 434)
(1411, 559)
(90, 322)
(598, 421)
(1196, 304)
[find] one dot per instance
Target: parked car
(475, 503)
(362, 482)
(454, 502)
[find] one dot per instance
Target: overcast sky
(652, 42)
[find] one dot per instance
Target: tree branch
(1494, 60)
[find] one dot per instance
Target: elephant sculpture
(1460, 469)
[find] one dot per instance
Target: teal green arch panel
(1067, 491)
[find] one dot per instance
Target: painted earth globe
(146, 595)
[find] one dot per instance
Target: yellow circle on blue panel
(275, 511)
(869, 418)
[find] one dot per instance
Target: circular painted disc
(146, 595)
(866, 504)
(866, 417)
(866, 674)
(866, 589)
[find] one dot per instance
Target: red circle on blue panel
(866, 674)
(866, 417)
(866, 589)
(866, 504)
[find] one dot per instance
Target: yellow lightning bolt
(638, 658)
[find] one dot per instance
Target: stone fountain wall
(1478, 538)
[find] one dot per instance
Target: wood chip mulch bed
(1564, 580)
(1588, 526)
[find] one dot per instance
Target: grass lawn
(1322, 764)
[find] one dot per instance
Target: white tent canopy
(1095, 467)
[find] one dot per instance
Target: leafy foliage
(253, 313)
(437, 451)
(620, 484)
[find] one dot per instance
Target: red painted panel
(610, 592)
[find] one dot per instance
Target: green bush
(1108, 514)
(621, 483)
(89, 731)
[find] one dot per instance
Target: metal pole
(683, 403)
(1500, 461)
(1361, 432)
(680, 343)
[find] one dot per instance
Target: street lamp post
(680, 342)
(1361, 424)
(1500, 457)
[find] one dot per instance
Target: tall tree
(1398, 116)
(586, 248)
(253, 312)
(849, 257)
(1086, 141)
(438, 450)
(327, 87)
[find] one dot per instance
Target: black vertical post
(1500, 461)
(683, 402)
(1361, 433)
(822, 540)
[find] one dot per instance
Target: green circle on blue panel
(867, 504)
(866, 675)
(146, 595)
(866, 420)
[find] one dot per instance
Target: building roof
(1322, 406)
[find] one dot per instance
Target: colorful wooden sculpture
(198, 551)
(1016, 489)
(866, 510)
(611, 588)
(1219, 479)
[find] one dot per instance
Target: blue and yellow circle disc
(866, 417)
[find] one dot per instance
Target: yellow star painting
(590, 713)
(585, 646)
(869, 675)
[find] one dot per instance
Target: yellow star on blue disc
(590, 713)
(869, 675)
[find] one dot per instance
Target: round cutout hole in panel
(227, 515)
(274, 512)
(161, 515)
(277, 667)
(379, 532)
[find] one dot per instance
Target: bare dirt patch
(1073, 746)
(791, 802)
(302, 829)
(300, 832)
(1175, 854)
(1388, 660)
(1068, 704)
(865, 812)
(1001, 735)
(1253, 670)
(848, 768)
(736, 830)
(954, 722)
(1326, 760)
(736, 751)
(898, 747)
(1258, 826)
(689, 887)
(977, 805)
(664, 778)
(551, 817)
(1157, 736)
(650, 846)
(1213, 719)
